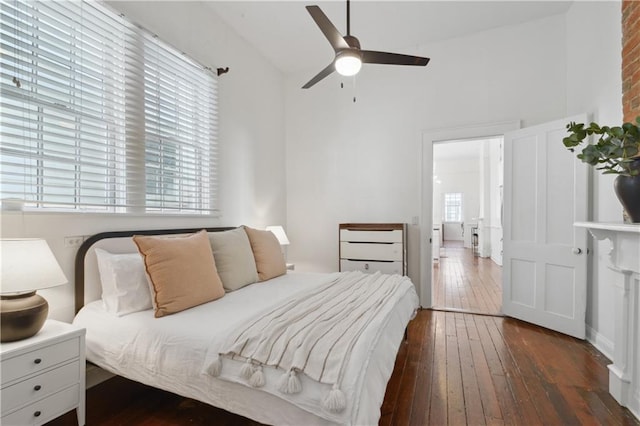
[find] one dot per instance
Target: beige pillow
(267, 252)
(181, 270)
(234, 258)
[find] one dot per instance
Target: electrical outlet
(73, 242)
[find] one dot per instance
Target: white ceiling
(286, 34)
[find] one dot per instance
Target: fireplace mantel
(624, 258)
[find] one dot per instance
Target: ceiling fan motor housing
(352, 41)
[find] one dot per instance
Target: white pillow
(124, 283)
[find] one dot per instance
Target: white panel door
(545, 256)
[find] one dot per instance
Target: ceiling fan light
(348, 63)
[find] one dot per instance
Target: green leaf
(617, 132)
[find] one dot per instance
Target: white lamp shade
(278, 231)
(348, 63)
(27, 265)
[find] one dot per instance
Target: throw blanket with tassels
(312, 333)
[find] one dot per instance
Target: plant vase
(627, 189)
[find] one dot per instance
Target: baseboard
(600, 342)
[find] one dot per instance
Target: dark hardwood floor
(466, 282)
(454, 369)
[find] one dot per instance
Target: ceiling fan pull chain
(354, 89)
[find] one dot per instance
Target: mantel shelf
(624, 253)
(633, 228)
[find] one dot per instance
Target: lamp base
(21, 315)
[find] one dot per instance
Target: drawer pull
(366, 266)
(37, 387)
(37, 414)
(37, 361)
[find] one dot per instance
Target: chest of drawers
(371, 247)
(43, 376)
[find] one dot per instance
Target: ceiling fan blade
(322, 74)
(372, 57)
(328, 29)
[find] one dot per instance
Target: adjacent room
(467, 230)
(312, 213)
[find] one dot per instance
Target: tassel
(215, 367)
(290, 383)
(257, 378)
(247, 370)
(335, 400)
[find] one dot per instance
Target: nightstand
(43, 376)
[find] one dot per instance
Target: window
(453, 207)
(99, 115)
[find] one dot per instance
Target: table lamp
(26, 265)
(278, 231)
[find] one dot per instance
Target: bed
(183, 352)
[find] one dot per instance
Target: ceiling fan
(349, 57)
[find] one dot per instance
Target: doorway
(476, 265)
(467, 218)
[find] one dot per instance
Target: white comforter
(171, 353)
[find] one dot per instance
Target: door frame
(429, 137)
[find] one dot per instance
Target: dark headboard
(89, 242)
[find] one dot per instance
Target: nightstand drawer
(44, 410)
(40, 386)
(371, 266)
(371, 251)
(38, 360)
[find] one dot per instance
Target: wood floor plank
(472, 399)
(438, 384)
(455, 392)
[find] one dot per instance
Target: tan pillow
(267, 252)
(234, 258)
(181, 270)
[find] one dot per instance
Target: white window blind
(98, 115)
(453, 207)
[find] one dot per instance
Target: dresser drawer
(371, 266)
(39, 359)
(391, 236)
(40, 386)
(371, 251)
(44, 410)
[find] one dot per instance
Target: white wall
(361, 161)
(594, 85)
(462, 175)
(251, 138)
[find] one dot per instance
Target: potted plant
(616, 151)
